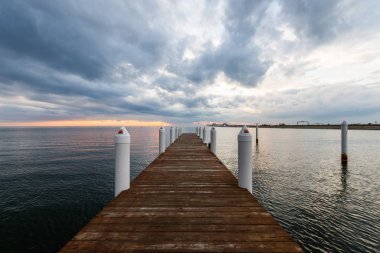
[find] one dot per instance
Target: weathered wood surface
(184, 201)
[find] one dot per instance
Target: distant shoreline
(329, 126)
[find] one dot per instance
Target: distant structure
(303, 122)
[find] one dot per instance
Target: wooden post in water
(245, 159)
(257, 133)
(122, 160)
(213, 140)
(161, 140)
(344, 130)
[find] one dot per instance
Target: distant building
(303, 122)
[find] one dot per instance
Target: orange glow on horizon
(79, 123)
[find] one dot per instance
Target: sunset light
(85, 123)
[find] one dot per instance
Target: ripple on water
(52, 181)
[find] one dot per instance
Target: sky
(93, 62)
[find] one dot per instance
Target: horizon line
(85, 123)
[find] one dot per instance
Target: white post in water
(172, 132)
(180, 131)
(197, 131)
(161, 140)
(200, 133)
(245, 159)
(344, 129)
(257, 133)
(122, 160)
(213, 140)
(205, 135)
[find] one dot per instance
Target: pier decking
(184, 201)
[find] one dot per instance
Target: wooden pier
(184, 201)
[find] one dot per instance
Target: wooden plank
(184, 201)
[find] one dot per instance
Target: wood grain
(186, 200)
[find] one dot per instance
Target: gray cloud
(317, 21)
(237, 56)
(96, 59)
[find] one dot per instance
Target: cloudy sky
(189, 61)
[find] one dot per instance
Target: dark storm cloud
(44, 44)
(315, 21)
(78, 37)
(28, 77)
(237, 56)
(52, 37)
(75, 59)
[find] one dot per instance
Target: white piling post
(200, 133)
(245, 159)
(197, 131)
(344, 130)
(122, 160)
(257, 133)
(213, 140)
(161, 140)
(172, 133)
(205, 135)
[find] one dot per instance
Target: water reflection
(57, 179)
(343, 179)
(257, 148)
(298, 177)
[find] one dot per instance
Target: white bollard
(161, 138)
(213, 140)
(257, 133)
(172, 135)
(122, 160)
(245, 159)
(180, 131)
(205, 135)
(344, 130)
(200, 133)
(196, 130)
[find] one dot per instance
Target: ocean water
(54, 180)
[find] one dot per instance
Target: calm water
(53, 180)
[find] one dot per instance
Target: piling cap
(244, 134)
(162, 129)
(122, 136)
(244, 130)
(344, 122)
